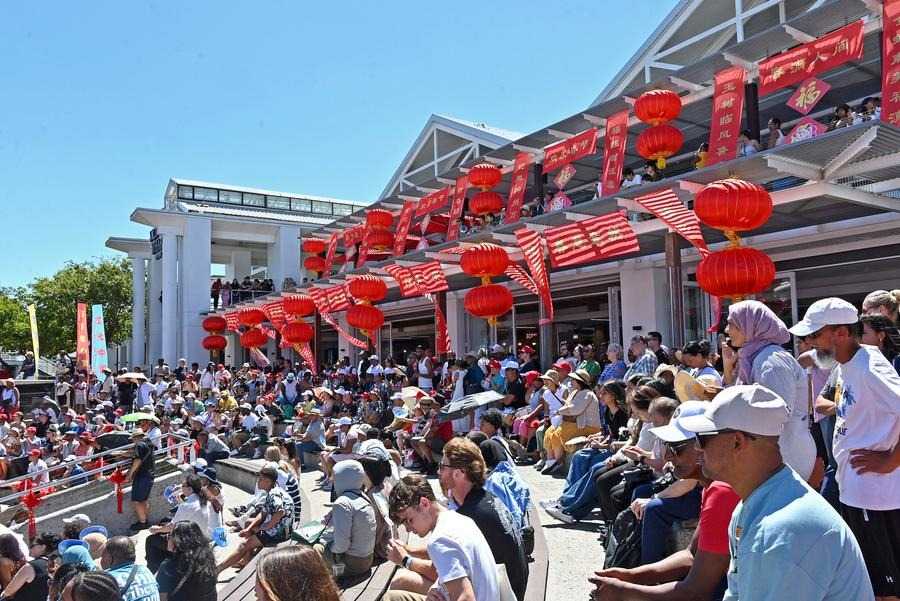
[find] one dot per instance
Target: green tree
(15, 331)
(106, 282)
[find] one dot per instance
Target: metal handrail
(14, 497)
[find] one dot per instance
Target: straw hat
(689, 388)
(551, 375)
(582, 375)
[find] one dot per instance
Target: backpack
(623, 548)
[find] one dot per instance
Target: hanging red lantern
(313, 246)
(252, 316)
(485, 176)
(215, 342)
(489, 301)
(366, 318)
(314, 263)
(214, 324)
(485, 203)
(378, 239)
(254, 337)
(657, 106)
(733, 205)
(299, 305)
(368, 288)
(118, 478)
(736, 272)
(379, 218)
(297, 332)
(484, 260)
(659, 142)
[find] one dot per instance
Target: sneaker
(560, 515)
(549, 466)
(539, 465)
(548, 503)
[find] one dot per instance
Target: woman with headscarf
(753, 354)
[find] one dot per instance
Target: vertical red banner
(517, 188)
(406, 214)
(614, 152)
(728, 104)
(533, 251)
(329, 254)
(456, 207)
(890, 63)
(82, 343)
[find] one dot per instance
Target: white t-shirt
(709, 371)
(144, 394)
(554, 402)
(458, 549)
(190, 510)
(39, 468)
(868, 417)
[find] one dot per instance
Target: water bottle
(219, 537)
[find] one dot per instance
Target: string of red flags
(590, 240)
(426, 278)
(680, 219)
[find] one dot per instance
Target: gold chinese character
(721, 151)
(809, 95)
(615, 131)
(894, 117)
(727, 103)
(895, 77)
(777, 73)
(560, 246)
(728, 87)
(615, 143)
(895, 96)
(798, 65)
(726, 119)
(613, 234)
(842, 46)
(895, 59)
(724, 134)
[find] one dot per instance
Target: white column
(240, 264)
(155, 312)
(169, 296)
(644, 299)
(456, 324)
(283, 256)
(138, 310)
(196, 267)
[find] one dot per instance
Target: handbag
(309, 533)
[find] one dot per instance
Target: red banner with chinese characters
(728, 105)
(614, 152)
(808, 95)
(82, 344)
(533, 251)
(563, 153)
(403, 222)
(793, 66)
(426, 278)
(456, 206)
(591, 240)
(517, 188)
(433, 202)
(890, 63)
(354, 235)
(329, 254)
(232, 323)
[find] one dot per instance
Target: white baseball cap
(674, 431)
(825, 312)
(345, 421)
(511, 365)
(753, 408)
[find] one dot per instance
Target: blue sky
(103, 102)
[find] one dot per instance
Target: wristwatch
(407, 561)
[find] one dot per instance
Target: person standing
(141, 476)
(215, 290)
(866, 433)
(786, 541)
(424, 368)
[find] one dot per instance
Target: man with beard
(697, 572)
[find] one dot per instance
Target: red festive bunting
(591, 240)
(671, 211)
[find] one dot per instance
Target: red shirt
(716, 506)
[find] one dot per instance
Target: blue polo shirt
(787, 542)
(143, 586)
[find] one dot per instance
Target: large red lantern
(368, 288)
(379, 239)
(485, 203)
(254, 337)
(252, 316)
(379, 218)
(736, 272)
(297, 332)
(313, 246)
(659, 142)
(299, 305)
(485, 176)
(489, 301)
(657, 106)
(366, 318)
(214, 324)
(214, 342)
(733, 205)
(314, 263)
(484, 260)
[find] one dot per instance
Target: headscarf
(761, 327)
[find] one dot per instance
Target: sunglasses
(677, 448)
(704, 438)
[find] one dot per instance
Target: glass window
(278, 202)
(230, 197)
(301, 204)
(206, 194)
(321, 207)
(186, 192)
(254, 200)
(340, 209)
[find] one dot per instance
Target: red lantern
(368, 288)
(489, 302)
(214, 324)
(252, 316)
(484, 260)
(657, 106)
(379, 239)
(118, 478)
(215, 343)
(485, 176)
(485, 203)
(254, 337)
(297, 332)
(659, 142)
(313, 246)
(365, 317)
(379, 218)
(736, 272)
(314, 263)
(733, 205)
(299, 305)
